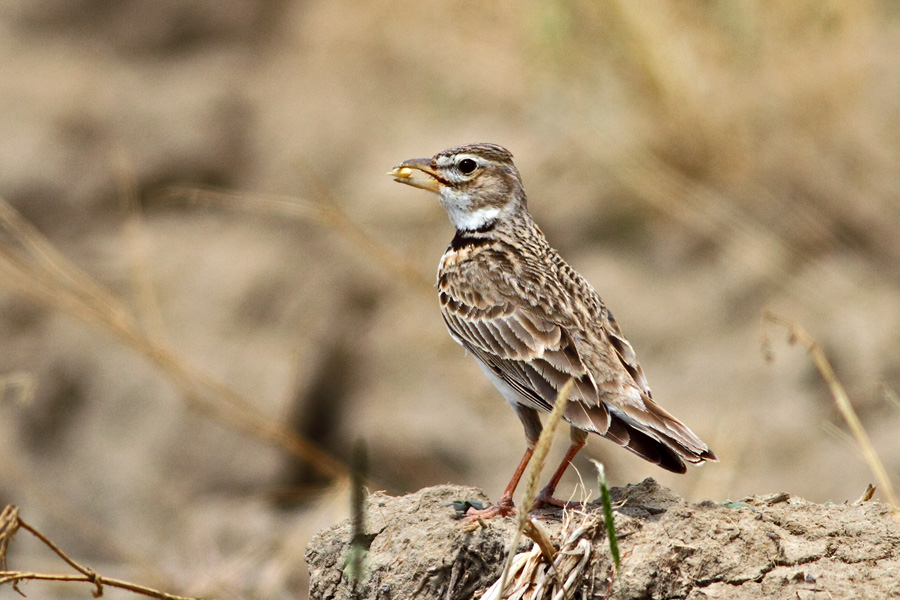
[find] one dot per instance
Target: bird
(533, 323)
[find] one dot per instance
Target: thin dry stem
(798, 334)
(890, 395)
(525, 523)
(145, 299)
(10, 523)
(543, 447)
(57, 268)
(98, 580)
(38, 271)
(56, 504)
(303, 210)
(707, 213)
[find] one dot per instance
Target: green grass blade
(608, 521)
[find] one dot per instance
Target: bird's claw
(501, 509)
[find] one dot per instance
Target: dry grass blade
(33, 268)
(866, 495)
(10, 523)
(53, 266)
(524, 521)
(55, 503)
(841, 435)
(707, 213)
(890, 395)
(144, 295)
(798, 334)
(304, 210)
(542, 447)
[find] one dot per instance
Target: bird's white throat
(459, 208)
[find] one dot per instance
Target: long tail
(658, 437)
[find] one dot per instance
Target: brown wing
(532, 355)
(536, 356)
(624, 351)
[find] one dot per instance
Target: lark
(533, 323)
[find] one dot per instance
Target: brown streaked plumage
(532, 322)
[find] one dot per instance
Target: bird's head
(477, 183)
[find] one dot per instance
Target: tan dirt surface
(775, 546)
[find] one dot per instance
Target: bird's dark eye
(466, 166)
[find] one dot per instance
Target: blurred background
(209, 288)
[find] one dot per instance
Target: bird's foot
(545, 498)
(503, 508)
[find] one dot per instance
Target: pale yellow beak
(417, 172)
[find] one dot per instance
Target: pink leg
(504, 506)
(546, 495)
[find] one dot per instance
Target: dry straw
(10, 523)
(798, 334)
(32, 267)
(532, 576)
(515, 564)
(301, 210)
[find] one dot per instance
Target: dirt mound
(762, 547)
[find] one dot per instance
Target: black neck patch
(471, 238)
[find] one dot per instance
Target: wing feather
(625, 352)
(531, 354)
